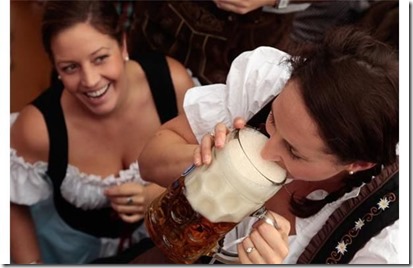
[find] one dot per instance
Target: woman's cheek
(296, 171)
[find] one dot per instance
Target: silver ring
(249, 250)
(271, 221)
(129, 201)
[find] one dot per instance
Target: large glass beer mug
(197, 210)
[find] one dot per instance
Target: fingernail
(219, 142)
(197, 162)
(207, 159)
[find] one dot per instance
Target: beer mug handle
(221, 254)
(259, 213)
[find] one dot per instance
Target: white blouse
(30, 184)
(254, 79)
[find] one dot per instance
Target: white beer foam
(233, 185)
(250, 140)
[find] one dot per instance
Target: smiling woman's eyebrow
(98, 50)
(93, 54)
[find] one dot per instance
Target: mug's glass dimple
(205, 203)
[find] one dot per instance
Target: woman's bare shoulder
(29, 136)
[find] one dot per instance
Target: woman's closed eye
(290, 150)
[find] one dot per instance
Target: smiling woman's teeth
(97, 93)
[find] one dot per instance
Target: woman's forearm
(23, 242)
(169, 152)
(165, 157)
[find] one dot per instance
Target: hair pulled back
(350, 84)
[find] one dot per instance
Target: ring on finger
(249, 250)
(129, 201)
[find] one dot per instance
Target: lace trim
(339, 215)
(86, 191)
(28, 182)
(81, 189)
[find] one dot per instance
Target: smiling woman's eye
(69, 68)
(100, 59)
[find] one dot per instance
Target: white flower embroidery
(359, 224)
(341, 247)
(383, 204)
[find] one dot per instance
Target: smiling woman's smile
(98, 93)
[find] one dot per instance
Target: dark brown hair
(350, 85)
(60, 15)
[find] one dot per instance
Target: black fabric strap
(48, 104)
(159, 78)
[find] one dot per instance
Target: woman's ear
(359, 166)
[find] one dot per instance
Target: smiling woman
(76, 192)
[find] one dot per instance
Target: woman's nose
(90, 77)
(271, 150)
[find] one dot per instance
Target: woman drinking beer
(332, 122)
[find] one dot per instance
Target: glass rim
(237, 137)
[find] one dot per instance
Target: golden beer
(181, 233)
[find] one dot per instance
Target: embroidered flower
(341, 247)
(383, 204)
(359, 224)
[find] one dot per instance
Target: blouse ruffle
(86, 191)
(30, 184)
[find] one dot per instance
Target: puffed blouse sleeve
(254, 79)
(29, 183)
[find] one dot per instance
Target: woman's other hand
(267, 242)
(128, 200)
